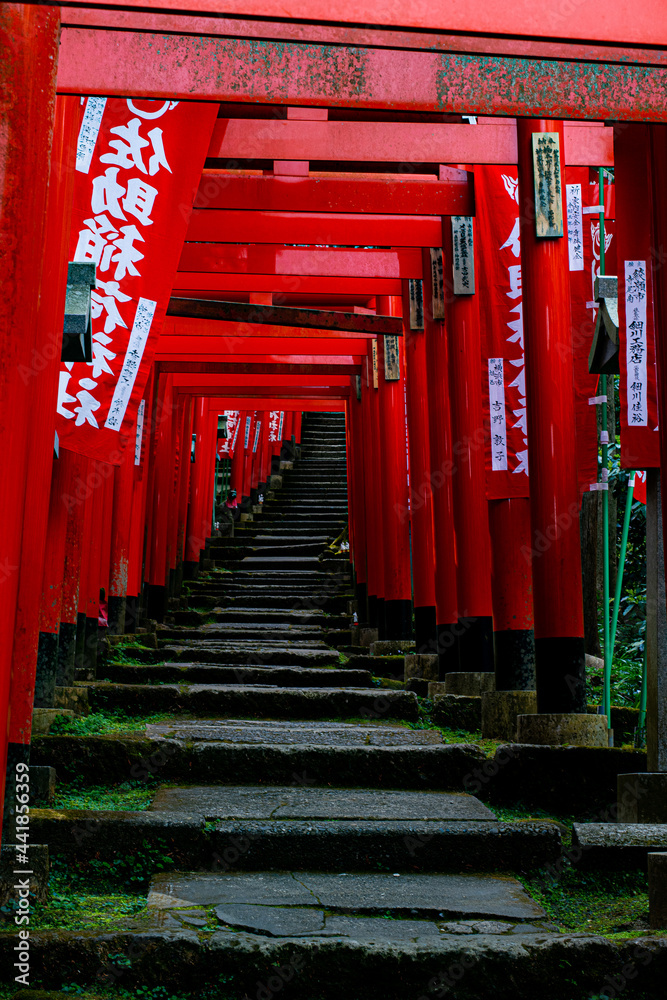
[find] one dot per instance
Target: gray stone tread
(320, 803)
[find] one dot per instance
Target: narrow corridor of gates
(330, 349)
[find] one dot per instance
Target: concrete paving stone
(319, 803)
(617, 846)
(420, 895)
(294, 733)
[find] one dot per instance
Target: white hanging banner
(636, 345)
(497, 415)
(575, 227)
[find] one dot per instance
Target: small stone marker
(548, 187)
(657, 890)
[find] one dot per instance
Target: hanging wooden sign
(392, 368)
(437, 284)
(463, 255)
(416, 289)
(548, 187)
(375, 364)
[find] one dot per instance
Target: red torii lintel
(277, 258)
(254, 348)
(394, 142)
(167, 66)
(648, 25)
(205, 282)
(242, 333)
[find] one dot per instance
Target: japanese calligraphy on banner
(226, 445)
(575, 227)
(504, 385)
(138, 166)
(636, 343)
(501, 310)
(275, 425)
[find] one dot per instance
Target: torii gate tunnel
(399, 220)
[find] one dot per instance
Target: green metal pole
(604, 477)
(621, 559)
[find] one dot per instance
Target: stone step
(373, 754)
(616, 846)
(254, 701)
(240, 673)
(244, 631)
(266, 653)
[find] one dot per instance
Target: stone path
(305, 815)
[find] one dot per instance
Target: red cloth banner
(138, 168)
(503, 367)
(275, 425)
(503, 372)
(227, 445)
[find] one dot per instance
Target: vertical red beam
(184, 486)
(195, 542)
(421, 491)
(554, 499)
(29, 39)
(163, 488)
(210, 440)
(287, 451)
(238, 460)
(394, 490)
(470, 505)
(442, 471)
(658, 165)
(248, 457)
(265, 471)
(75, 470)
(372, 481)
(512, 586)
(54, 559)
(105, 534)
(138, 519)
(357, 502)
(296, 431)
(121, 520)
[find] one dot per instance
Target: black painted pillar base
(17, 753)
(381, 624)
(476, 644)
(178, 580)
(254, 496)
(275, 465)
(156, 601)
(448, 649)
(46, 670)
(560, 670)
(398, 619)
(190, 570)
(116, 612)
(426, 630)
(171, 582)
(245, 505)
(515, 659)
(80, 643)
(87, 668)
(66, 655)
(362, 601)
(132, 613)
(372, 605)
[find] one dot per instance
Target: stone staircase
(313, 830)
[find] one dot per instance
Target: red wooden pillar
(29, 38)
(121, 520)
(195, 541)
(248, 430)
(296, 430)
(163, 487)
(287, 451)
(211, 440)
(372, 468)
(265, 467)
(185, 468)
(238, 460)
(473, 542)
(54, 560)
(139, 504)
(393, 490)
(554, 495)
(75, 470)
(512, 585)
(36, 651)
(442, 466)
(421, 488)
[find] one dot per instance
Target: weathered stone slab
(642, 798)
(421, 666)
(422, 895)
(617, 846)
(392, 647)
(38, 855)
(471, 683)
(319, 803)
(457, 711)
(265, 700)
(500, 710)
(560, 729)
(88, 831)
(273, 732)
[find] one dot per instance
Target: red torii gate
(628, 92)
